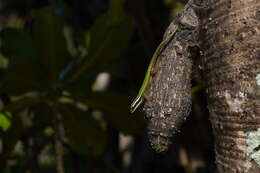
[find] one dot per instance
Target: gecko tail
(136, 104)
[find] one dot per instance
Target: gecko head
(136, 103)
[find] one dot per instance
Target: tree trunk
(230, 42)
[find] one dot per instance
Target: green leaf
(98, 31)
(112, 46)
(11, 136)
(106, 40)
(50, 42)
(84, 132)
(5, 121)
(23, 73)
(81, 86)
(116, 109)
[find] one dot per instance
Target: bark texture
(168, 100)
(230, 42)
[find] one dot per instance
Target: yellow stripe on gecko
(139, 98)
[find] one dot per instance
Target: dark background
(69, 71)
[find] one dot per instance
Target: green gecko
(140, 96)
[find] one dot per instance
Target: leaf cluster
(49, 77)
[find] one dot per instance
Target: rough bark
(230, 42)
(168, 99)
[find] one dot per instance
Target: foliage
(46, 80)
(5, 122)
(51, 54)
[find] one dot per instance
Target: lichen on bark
(253, 146)
(229, 39)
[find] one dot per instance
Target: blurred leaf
(106, 40)
(80, 86)
(1, 4)
(16, 42)
(10, 137)
(85, 133)
(50, 42)
(97, 33)
(23, 73)
(102, 29)
(22, 104)
(5, 121)
(42, 114)
(116, 108)
(3, 62)
(117, 10)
